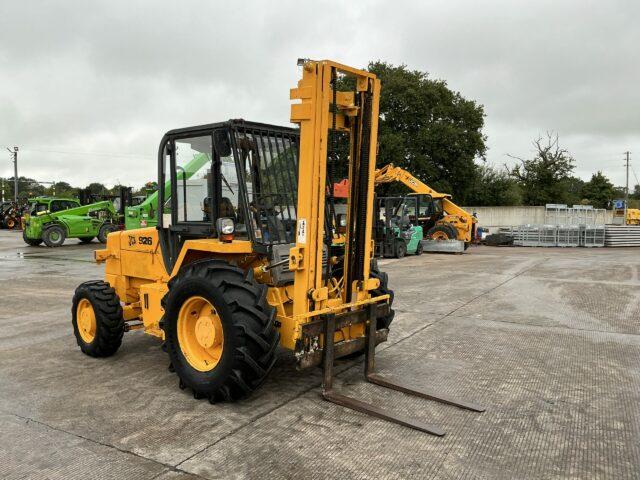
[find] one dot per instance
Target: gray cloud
(112, 76)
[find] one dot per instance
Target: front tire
(54, 236)
(400, 248)
(419, 248)
(220, 330)
(98, 324)
(442, 232)
(104, 232)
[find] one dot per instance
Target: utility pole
(14, 152)
(626, 190)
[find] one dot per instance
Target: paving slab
(546, 339)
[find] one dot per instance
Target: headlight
(225, 226)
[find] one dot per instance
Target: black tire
(105, 230)
(10, 223)
(54, 236)
(109, 319)
(86, 239)
(447, 230)
(419, 248)
(400, 248)
(34, 242)
(248, 325)
(383, 289)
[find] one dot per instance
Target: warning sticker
(302, 230)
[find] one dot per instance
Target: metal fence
(556, 235)
(577, 226)
(561, 214)
(592, 236)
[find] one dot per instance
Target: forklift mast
(322, 108)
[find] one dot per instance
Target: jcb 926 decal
(141, 240)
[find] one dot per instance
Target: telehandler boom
(230, 274)
(439, 216)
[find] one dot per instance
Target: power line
(103, 154)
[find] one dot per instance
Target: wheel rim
(200, 334)
(439, 236)
(86, 318)
(54, 236)
(11, 224)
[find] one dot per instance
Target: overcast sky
(87, 88)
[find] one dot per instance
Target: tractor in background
(10, 215)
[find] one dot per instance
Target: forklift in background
(394, 234)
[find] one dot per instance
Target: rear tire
(105, 230)
(102, 335)
(34, 242)
(247, 326)
(54, 236)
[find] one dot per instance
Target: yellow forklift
(244, 256)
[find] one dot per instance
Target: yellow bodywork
(134, 264)
(462, 220)
(633, 216)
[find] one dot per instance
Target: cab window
(56, 206)
(193, 179)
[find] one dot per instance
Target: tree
(27, 187)
(63, 189)
(428, 129)
(598, 191)
(573, 191)
(97, 189)
(493, 187)
(545, 177)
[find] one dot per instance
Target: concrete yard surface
(548, 340)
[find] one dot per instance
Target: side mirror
(221, 143)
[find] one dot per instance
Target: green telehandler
(146, 213)
(52, 220)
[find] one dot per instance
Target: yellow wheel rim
(86, 319)
(439, 236)
(200, 334)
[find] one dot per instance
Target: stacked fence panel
(592, 235)
(622, 236)
(577, 226)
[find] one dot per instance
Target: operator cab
(429, 209)
(233, 180)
